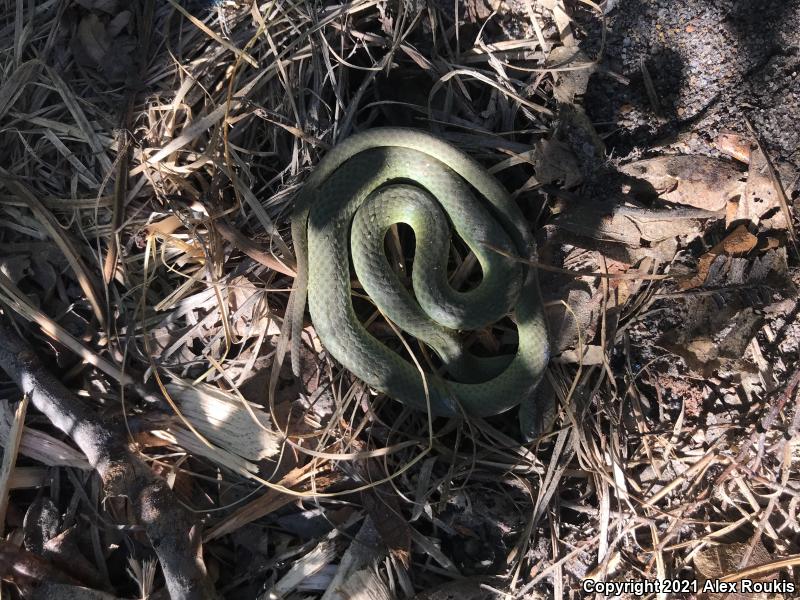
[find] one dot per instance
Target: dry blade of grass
(306, 478)
(10, 449)
(15, 84)
(39, 445)
(213, 35)
(13, 297)
(63, 241)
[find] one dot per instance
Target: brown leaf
(627, 233)
(737, 242)
(734, 145)
(698, 181)
(704, 353)
(571, 83)
(718, 561)
(298, 479)
(165, 226)
(479, 10)
(580, 321)
(760, 203)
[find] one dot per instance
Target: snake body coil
(360, 189)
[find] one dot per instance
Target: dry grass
(145, 194)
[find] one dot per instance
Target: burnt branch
(174, 535)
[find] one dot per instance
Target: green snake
(385, 176)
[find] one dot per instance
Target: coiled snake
(384, 176)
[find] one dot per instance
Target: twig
(175, 537)
(635, 276)
(652, 95)
(252, 249)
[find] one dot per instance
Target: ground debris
(628, 232)
(103, 42)
(738, 242)
(178, 133)
(463, 589)
(719, 561)
(698, 181)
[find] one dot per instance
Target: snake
(348, 204)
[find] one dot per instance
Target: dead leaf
(620, 288)
(731, 210)
(591, 355)
(738, 242)
(165, 226)
(566, 325)
(480, 10)
(770, 243)
(93, 37)
(627, 233)
(118, 23)
(777, 186)
(101, 43)
(698, 181)
(712, 331)
(382, 505)
(573, 306)
(273, 499)
(576, 130)
(734, 145)
(571, 83)
(716, 562)
(709, 350)
(760, 203)
(555, 162)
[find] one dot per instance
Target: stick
(175, 537)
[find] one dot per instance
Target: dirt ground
(712, 62)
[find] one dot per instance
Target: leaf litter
(669, 281)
